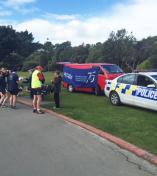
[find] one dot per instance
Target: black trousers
(57, 100)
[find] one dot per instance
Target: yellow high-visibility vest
(36, 83)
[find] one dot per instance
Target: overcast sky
(80, 21)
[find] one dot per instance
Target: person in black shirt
(13, 89)
(2, 87)
(57, 88)
(29, 83)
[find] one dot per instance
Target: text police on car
(139, 89)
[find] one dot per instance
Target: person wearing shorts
(36, 87)
(2, 87)
(13, 89)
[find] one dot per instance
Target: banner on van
(81, 77)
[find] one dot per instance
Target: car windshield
(112, 68)
(154, 76)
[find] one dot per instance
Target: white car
(138, 89)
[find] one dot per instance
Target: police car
(138, 89)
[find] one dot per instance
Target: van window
(112, 68)
(100, 72)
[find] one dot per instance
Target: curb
(120, 142)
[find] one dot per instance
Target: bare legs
(37, 103)
(4, 98)
(13, 99)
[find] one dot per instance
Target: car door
(145, 96)
(126, 88)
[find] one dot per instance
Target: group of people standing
(9, 89)
(37, 80)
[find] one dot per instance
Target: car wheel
(70, 88)
(114, 98)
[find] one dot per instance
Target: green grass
(135, 125)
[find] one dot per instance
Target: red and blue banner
(81, 77)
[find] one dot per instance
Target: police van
(138, 89)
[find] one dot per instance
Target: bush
(147, 64)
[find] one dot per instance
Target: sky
(80, 21)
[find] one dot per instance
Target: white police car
(138, 89)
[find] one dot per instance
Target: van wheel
(97, 91)
(70, 88)
(114, 98)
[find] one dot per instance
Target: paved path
(42, 145)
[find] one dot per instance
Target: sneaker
(34, 110)
(3, 106)
(40, 112)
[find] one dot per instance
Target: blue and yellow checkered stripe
(126, 89)
(122, 88)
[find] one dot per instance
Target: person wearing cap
(36, 86)
(13, 80)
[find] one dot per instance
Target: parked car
(137, 89)
(79, 77)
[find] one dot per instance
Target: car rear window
(154, 76)
(112, 68)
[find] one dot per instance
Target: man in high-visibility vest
(36, 85)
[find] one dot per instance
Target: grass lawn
(135, 125)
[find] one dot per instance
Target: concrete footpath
(43, 145)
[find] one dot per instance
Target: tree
(120, 49)
(80, 53)
(95, 53)
(146, 53)
(15, 46)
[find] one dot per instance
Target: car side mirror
(151, 86)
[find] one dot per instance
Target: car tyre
(114, 98)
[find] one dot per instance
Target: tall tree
(15, 46)
(120, 49)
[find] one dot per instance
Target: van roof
(88, 64)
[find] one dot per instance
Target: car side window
(127, 79)
(144, 81)
(101, 72)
